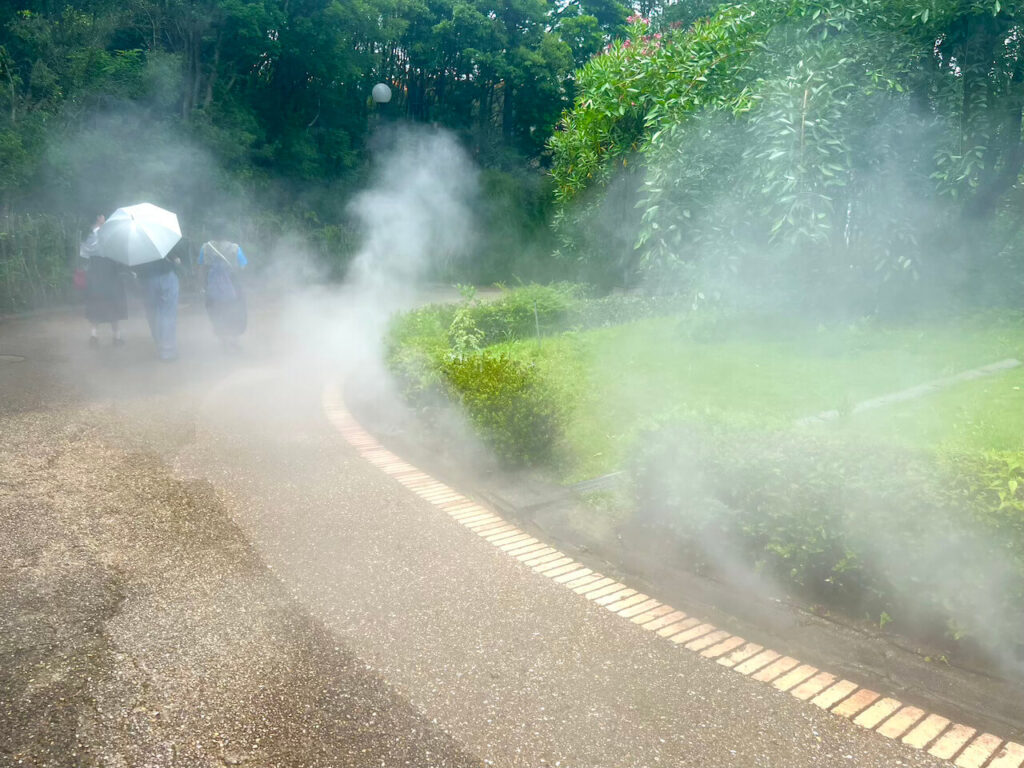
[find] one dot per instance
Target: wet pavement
(617, 544)
(196, 569)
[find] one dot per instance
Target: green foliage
(991, 485)
(685, 12)
(855, 524)
(440, 351)
(464, 337)
(416, 345)
(36, 258)
(421, 340)
(527, 312)
(508, 404)
(834, 154)
(257, 112)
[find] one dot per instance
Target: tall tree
(842, 150)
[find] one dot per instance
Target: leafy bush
(434, 352)
(616, 309)
(36, 261)
(865, 527)
(508, 404)
(822, 151)
(519, 313)
(991, 486)
(416, 344)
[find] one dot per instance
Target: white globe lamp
(381, 93)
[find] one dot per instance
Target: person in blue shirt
(220, 262)
(160, 296)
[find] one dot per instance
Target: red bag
(80, 279)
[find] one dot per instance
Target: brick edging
(914, 727)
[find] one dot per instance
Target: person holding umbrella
(105, 297)
(141, 237)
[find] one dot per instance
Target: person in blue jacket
(220, 262)
(160, 288)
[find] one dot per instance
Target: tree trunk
(8, 66)
(197, 75)
(213, 76)
(507, 111)
(188, 89)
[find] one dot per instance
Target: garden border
(913, 726)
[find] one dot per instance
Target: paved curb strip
(961, 744)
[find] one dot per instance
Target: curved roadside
(508, 663)
(874, 661)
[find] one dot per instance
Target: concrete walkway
(292, 605)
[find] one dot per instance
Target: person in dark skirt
(220, 262)
(105, 297)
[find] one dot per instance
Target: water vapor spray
(414, 218)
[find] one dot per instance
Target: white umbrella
(137, 234)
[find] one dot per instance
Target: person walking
(105, 298)
(160, 288)
(220, 262)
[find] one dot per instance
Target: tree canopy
(842, 152)
(263, 106)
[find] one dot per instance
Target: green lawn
(987, 414)
(623, 378)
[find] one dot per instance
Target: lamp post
(381, 93)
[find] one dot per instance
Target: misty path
(198, 570)
(138, 625)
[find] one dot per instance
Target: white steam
(415, 218)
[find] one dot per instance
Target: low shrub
(619, 308)
(36, 261)
(522, 312)
(518, 314)
(868, 528)
(435, 353)
(420, 341)
(415, 347)
(508, 404)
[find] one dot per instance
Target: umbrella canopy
(137, 234)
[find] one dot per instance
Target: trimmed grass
(723, 460)
(619, 380)
(987, 414)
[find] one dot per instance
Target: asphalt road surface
(197, 570)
